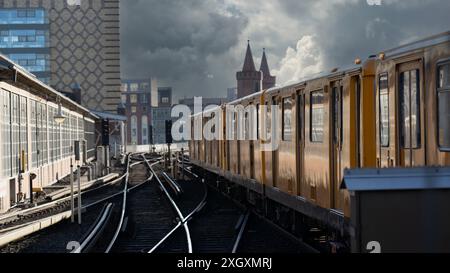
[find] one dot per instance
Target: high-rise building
(66, 43)
(249, 79)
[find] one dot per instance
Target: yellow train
(392, 110)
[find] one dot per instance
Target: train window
(257, 121)
(384, 110)
(337, 115)
(317, 118)
(268, 121)
(409, 105)
(287, 119)
(246, 126)
(443, 93)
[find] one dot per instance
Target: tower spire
(249, 65)
(264, 65)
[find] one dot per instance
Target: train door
(300, 138)
(336, 136)
(410, 151)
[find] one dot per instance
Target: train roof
(430, 41)
(20, 75)
(323, 74)
(420, 44)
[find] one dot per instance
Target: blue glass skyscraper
(24, 38)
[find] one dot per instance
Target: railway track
(92, 195)
(150, 212)
(67, 236)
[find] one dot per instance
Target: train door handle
(378, 162)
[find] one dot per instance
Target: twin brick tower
(248, 80)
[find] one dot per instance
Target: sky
(197, 46)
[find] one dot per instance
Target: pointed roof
(249, 65)
(264, 65)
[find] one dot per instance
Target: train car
(389, 111)
(413, 124)
(33, 141)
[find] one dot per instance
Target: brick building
(248, 80)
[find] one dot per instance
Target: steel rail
(165, 237)
(241, 232)
(124, 204)
(96, 231)
(175, 206)
(124, 201)
(174, 185)
(56, 202)
(184, 220)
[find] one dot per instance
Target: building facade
(160, 114)
(159, 117)
(249, 79)
(136, 98)
(147, 107)
(66, 43)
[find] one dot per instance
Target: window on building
(24, 130)
(124, 87)
(133, 98)
(144, 98)
(22, 13)
(287, 119)
(24, 38)
(32, 62)
(384, 110)
(165, 99)
(23, 16)
(409, 105)
(134, 87)
(6, 133)
(133, 130)
(317, 116)
(144, 85)
(133, 109)
(34, 134)
(43, 135)
(443, 94)
(15, 133)
(144, 129)
(124, 98)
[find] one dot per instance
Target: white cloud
(305, 60)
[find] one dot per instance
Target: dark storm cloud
(176, 40)
(197, 46)
(353, 28)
